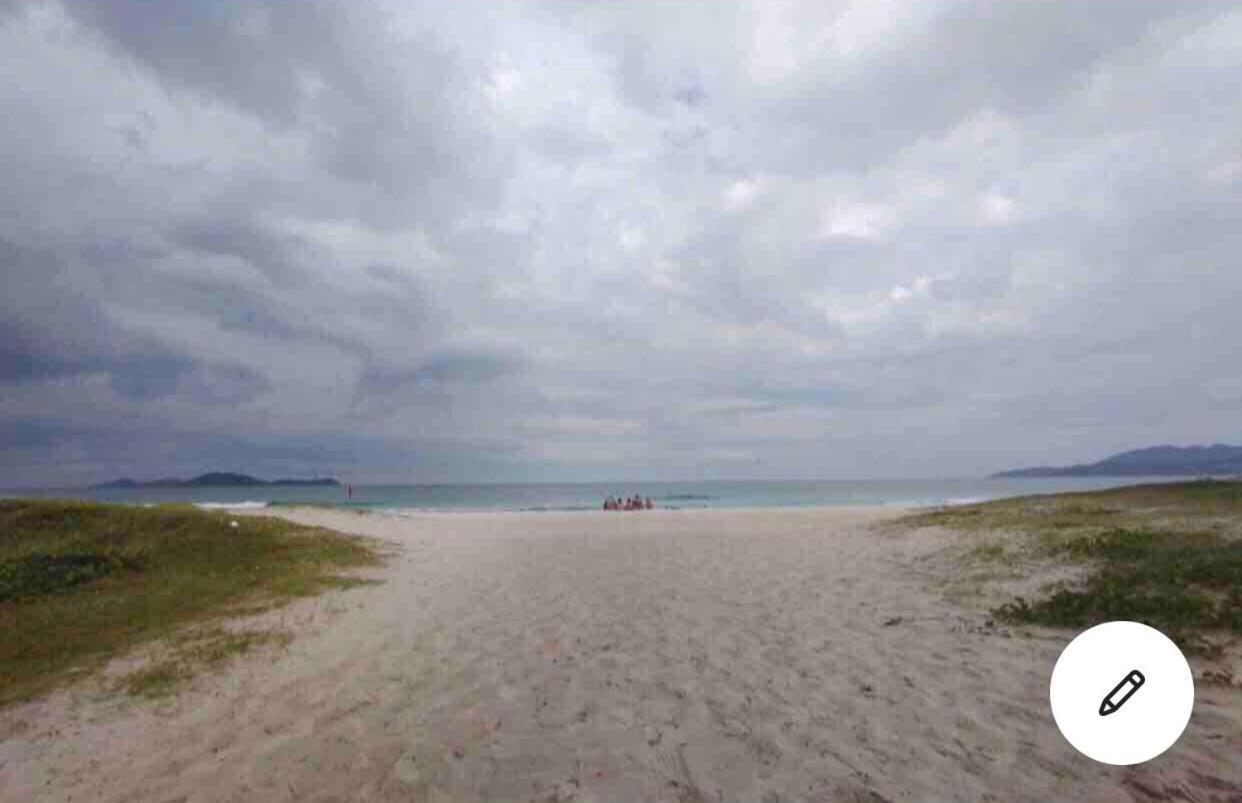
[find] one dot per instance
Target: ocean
(590, 496)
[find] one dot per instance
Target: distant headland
(214, 479)
(1156, 461)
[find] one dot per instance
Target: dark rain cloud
(424, 242)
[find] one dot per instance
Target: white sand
(659, 656)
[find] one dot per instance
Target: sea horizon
(586, 496)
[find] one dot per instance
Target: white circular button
(1121, 693)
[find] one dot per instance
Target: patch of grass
(33, 576)
(193, 654)
(82, 582)
(1166, 555)
(1208, 505)
(221, 646)
(1180, 583)
(990, 553)
(156, 680)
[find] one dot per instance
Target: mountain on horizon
(213, 479)
(1155, 461)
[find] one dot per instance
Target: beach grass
(1166, 555)
(190, 654)
(81, 583)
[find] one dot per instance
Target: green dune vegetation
(81, 583)
(1166, 555)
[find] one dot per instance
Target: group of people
(635, 502)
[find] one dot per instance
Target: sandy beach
(756, 655)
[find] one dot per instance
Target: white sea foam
(247, 505)
(967, 500)
(937, 501)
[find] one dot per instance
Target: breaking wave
(249, 504)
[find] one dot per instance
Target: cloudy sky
(549, 241)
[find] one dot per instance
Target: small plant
(157, 680)
(193, 653)
(989, 553)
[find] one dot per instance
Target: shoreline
(589, 497)
(414, 513)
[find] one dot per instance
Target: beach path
(750, 655)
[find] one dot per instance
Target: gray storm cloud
(423, 242)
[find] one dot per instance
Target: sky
(492, 241)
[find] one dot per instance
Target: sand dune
(660, 656)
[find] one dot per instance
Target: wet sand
(756, 655)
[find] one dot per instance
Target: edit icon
(1115, 699)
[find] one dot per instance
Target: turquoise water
(590, 496)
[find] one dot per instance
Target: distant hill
(214, 479)
(1156, 461)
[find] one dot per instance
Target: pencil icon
(1123, 691)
